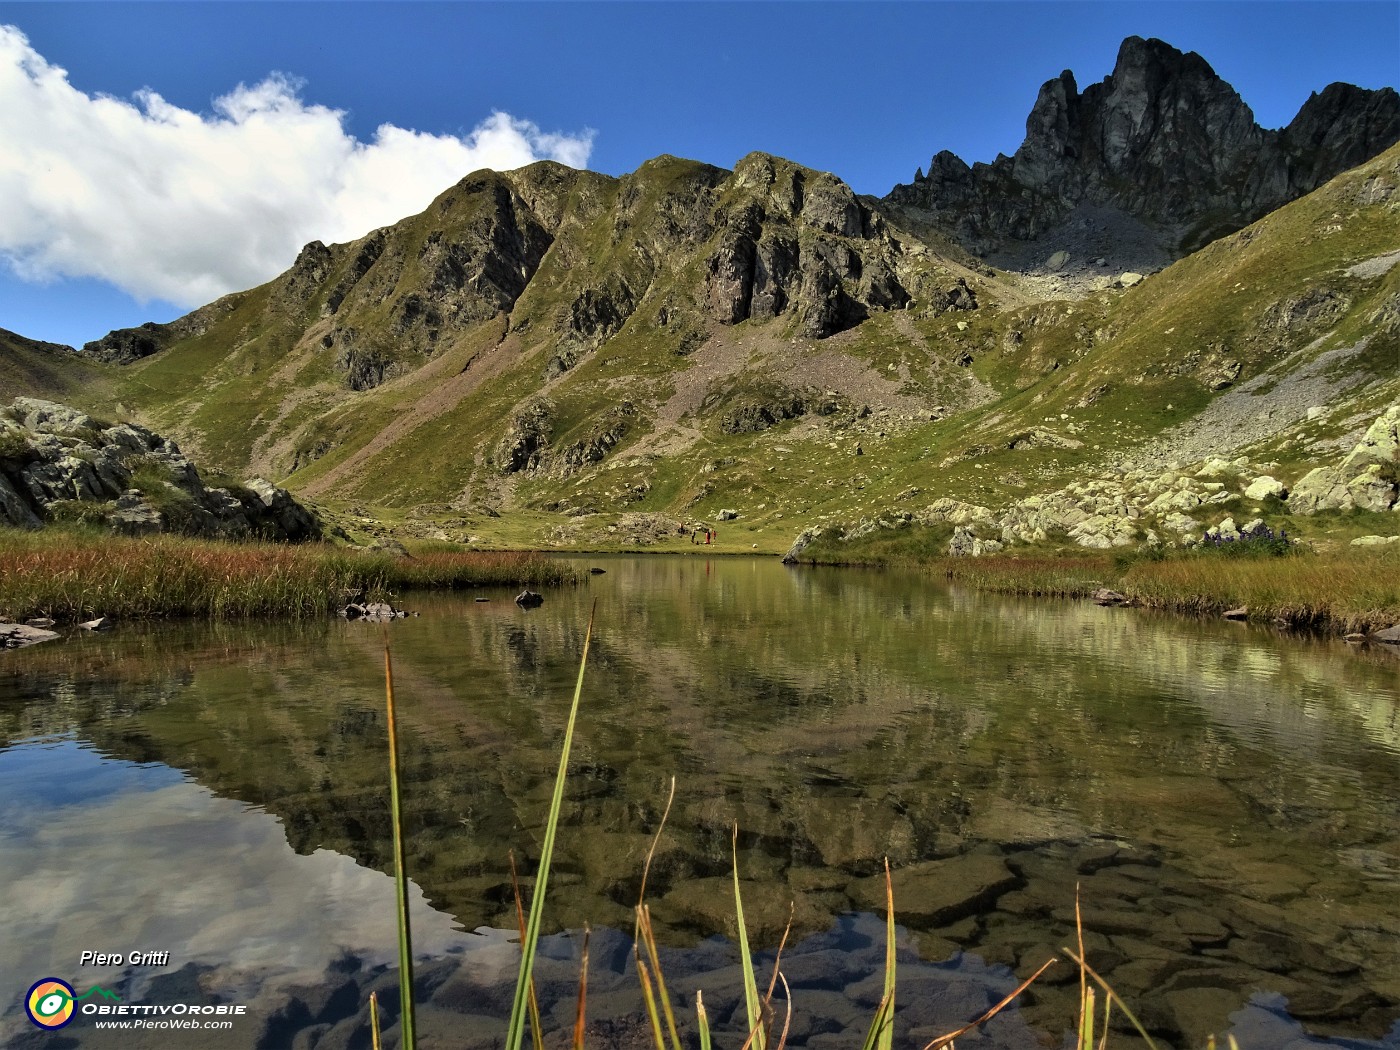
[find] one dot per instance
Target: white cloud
(167, 203)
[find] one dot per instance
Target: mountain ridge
(563, 348)
(1164, 141)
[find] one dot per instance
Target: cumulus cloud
(171, 204)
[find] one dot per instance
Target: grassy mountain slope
(47, 370)
(570, 351)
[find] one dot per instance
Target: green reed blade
(878, 1024)
(648, 937)
(1083, 976)
(702, 1021)
(881, 1034)
(1086, 1022)
(650, 996)
(1108, 990)
(757, 1035)
(886, 1039)
(407, 1038)
(515, 1033)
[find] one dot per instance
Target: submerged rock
(528, 599)
(19, 635)
(1105, 596)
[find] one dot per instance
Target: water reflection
(1226, 797)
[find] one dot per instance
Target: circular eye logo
(49, 1003)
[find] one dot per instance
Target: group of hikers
(698, 531)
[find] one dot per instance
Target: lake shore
(1346, 592)
(71, 577)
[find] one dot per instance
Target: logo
(49, 1003)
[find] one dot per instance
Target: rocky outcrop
(19, 635)
(1367, 478)
(609, 430)
(59, 464)
(1162, 140)
(801, 243)
(526, 441)
(1153, 507)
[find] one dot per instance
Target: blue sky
(119, 206)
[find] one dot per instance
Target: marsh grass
(1053, 576)
(73, 575)
(1336, 591)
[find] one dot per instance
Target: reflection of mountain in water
(1205, 785)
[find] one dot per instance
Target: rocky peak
(1163, 140)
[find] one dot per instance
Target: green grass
(74, 575)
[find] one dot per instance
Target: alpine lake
(1225, 800)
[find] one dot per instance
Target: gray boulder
(962, 543)
(51, 417)
(133, 516)
(804, 539)
(1380, 446)
(1322, 488)
(295, 521)
(18, 635)
(1371, 489)
(1263, 487)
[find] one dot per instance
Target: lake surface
(1226, 800)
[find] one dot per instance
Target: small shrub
(14, 445)
(1258, 542)
(77, 512)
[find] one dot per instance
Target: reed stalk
(407, 1037)
(758, 1035)
(515, 1031)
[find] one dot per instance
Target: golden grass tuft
(73, 576)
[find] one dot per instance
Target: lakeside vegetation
(75, 575)
(1336, 592)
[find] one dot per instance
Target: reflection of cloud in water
(130, 860)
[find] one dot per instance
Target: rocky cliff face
(59, 464)
(1163, 141)
(574, 254)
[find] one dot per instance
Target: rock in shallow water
(18, 635)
